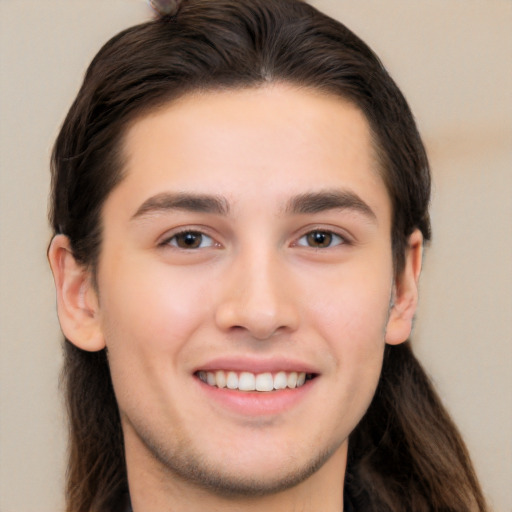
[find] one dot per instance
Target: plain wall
(452, 59)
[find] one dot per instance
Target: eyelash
(190, 233)
(333, 239)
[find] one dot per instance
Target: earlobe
(405, 299)
(77, 303)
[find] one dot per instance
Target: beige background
(452, 59)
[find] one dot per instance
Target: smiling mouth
(247, 381)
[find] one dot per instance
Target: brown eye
(320, 239)
(191, 240)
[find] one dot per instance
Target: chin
(247, 482)
(235, 478)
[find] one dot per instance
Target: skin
(256, 290)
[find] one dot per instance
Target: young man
(240, 202)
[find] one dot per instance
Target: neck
(154, 489)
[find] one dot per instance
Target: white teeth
(280, 380)
(264, 382)
(247, 381)
(292, 380)
(220, 376)
(232, 380)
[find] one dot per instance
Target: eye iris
(189, 240)
(319, 239)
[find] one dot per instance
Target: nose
(258, 298)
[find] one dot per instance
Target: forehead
(277, 140)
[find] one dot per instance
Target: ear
(77, 301)
(405, 295)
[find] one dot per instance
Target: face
(244, 286)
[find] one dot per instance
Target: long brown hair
(406, 453)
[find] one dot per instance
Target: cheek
(355, 332)
(351, 317)
(148, 314)
(152, 302)
(353, 309)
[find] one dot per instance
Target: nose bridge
(258, 297)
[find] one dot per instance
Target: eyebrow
(167, 201)
(316, 202)
(308, 203)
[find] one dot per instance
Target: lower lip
(255, 403)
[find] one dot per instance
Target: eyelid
(164, 241)
(346, 239)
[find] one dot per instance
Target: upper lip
(253, 365)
